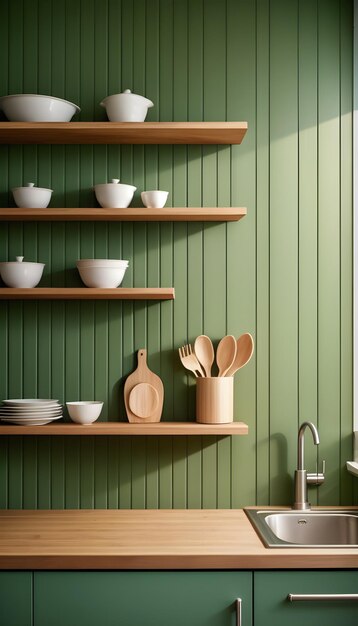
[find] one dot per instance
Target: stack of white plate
(30, 412)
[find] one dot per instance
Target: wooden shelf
(124, 428)
(122, 132)
(131, 214)
(88, 293)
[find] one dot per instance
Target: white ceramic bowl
(29, 107)
(126, 107)
(114, 195)
(21, 275)
(31, 197)
(154, 199)
(102, 274)
(84, 412)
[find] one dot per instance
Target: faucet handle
(317, 478)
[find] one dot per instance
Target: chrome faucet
(302, 478)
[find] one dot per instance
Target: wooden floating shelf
(122, 132)
(88, 293)
(131, 214)
(124, 428)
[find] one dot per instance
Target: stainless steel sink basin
(313, 528)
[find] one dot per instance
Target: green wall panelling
(283, 245)
(346, 252)
(329, 278)
(283, 273)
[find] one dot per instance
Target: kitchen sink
(302, 529)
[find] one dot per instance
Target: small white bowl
(102, 275)
(30, 107)
(154, 199)
(114, 195)
(126, 107)
(85, 412)
(21, 275)
(31, 197)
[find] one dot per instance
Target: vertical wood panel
(283, 246)
(284, 273)
(346, 252)
(241, 248)
(329, 246)
(262, 348)
(307, 222)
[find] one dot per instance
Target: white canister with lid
(114, 195)
(31, 197)
(126, 107)
(20, 274)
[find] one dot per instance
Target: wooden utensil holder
(215, 400)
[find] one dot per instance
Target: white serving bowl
(154, 199)
(21, 275)
(102, 273)
(31, 197)
(30, 107)
(126, 107)
(114, 195)
(84, 412)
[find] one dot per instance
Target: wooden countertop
(149, 539)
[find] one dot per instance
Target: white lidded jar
(126, 107)
(31, 197)
(20, 274)
(114, 195)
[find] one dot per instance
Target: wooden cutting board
(143, 393)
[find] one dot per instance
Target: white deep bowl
(126, 107)
(84, 412)
(114, 195)
(21, 275)
(154, 199)
(31, 197)
(29, 107)
(102, 276)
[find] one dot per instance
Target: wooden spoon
(225, 354)
(204, 352)
(244, 352)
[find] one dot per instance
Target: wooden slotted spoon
(225, 354)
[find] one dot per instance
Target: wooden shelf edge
(124, 428)
(222, 133)
(131, 214)
(87, 293)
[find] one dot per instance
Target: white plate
(30, 402)
(30, 422)
(20, 411)
(33, 413)
(32, 409)
(29, 417)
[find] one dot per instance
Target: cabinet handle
(238, 611)
(318, 597)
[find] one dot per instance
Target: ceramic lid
(128, 94)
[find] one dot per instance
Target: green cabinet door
(16, 599)
(272, 607)
(133, 598)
